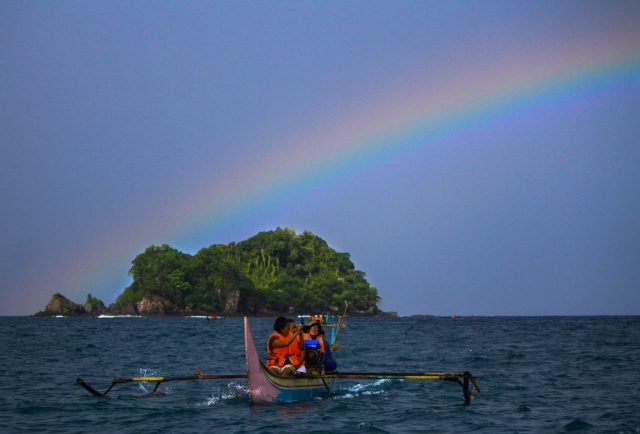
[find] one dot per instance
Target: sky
(473, 157)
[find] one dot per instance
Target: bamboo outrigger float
(264, 386)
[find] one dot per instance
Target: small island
(273, 272)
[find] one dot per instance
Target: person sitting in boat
(296, 348)
(279, 360)
(315, 318)
(316, 354)
(314, 331)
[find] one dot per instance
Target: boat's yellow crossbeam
(146, 379)
(422, 377)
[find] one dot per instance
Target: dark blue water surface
(538, 374)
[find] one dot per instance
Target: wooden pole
(344, 314)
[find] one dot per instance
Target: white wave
(365, 386)
(373, 392)
(229, 391)
(148, 386)
(362, 389)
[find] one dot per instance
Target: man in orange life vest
(296, 348)
(282, 357)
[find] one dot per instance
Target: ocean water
(538, 375)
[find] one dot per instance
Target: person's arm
(277, 343)
(302, 349)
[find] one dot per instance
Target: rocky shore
(59, 305)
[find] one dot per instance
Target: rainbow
(330, 158)
(362, 141)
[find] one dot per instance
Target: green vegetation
(92, 303)
(274, 271)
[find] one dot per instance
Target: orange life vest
(280, 355)
(294, 351)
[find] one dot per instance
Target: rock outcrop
(61, 305)
(94, 307)
(156, 306)
(230, 301)
(124, 309)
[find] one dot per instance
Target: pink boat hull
(266, 387)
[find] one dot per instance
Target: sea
(536, 375)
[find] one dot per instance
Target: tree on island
(273, 271)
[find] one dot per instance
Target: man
(279, 359)
(296, 348)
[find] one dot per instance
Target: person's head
(281, 325)
(315, 329)
(291, 324)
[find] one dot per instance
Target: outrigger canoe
(264, 386)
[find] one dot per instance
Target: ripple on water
(536, 375)
(577, 425)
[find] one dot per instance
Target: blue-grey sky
(473, 157)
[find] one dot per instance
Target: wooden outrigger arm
(467, 381)
(158, 380)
